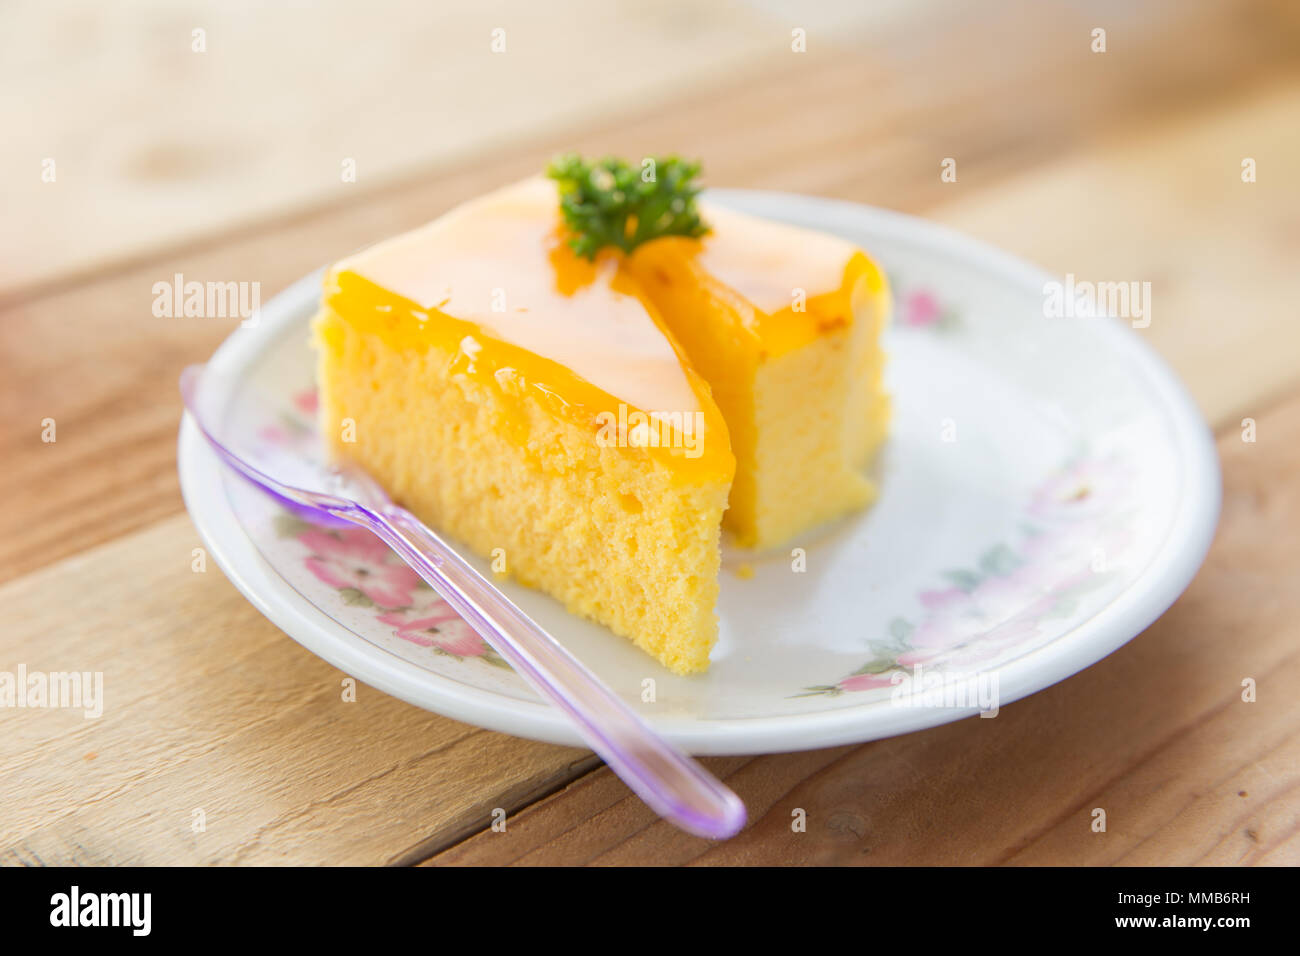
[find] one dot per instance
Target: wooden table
(1125, 164)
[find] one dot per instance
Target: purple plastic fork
(670, 782)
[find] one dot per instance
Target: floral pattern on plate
(1076, 524)
(364, 573)
(1026, 393)
(361, 569)
(920, 307)
(1073, 524)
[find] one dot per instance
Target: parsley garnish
(610, 203)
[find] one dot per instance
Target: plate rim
(1170, 570)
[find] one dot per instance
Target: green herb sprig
(612, 203)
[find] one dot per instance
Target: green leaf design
(999, 561)
(289, 525)
(354, 598)
(964, 580)
(877, 665)
(900, 630)
(293, 424)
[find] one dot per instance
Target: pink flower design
(361, 568)
(941, 631)
(979, 648)
(1003, 597)
(921, 308)
(306, 401)
(1001, 610)
(864, 682)
(1062, 560)
(450, 634)
(1007, 601)
(354, 558)
(431, 622)
(945, 600)
(1088, 488)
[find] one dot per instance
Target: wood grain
(1122, 165)
(168, 145)
(252, 126)
(209, 707)
(1157, 735)
(1219, 254)
(90, 355)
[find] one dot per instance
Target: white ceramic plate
(1048, 490)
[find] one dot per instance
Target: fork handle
(670, 782)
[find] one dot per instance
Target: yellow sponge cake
(785, 324)
(529, 403)
(585, 422)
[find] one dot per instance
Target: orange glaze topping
(494, 283)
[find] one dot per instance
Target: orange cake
(784, 324)
(580, 421)
(530, 404)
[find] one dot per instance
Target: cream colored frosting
(766, 261)
(500, 262)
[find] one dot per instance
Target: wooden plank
(1220, 254)
(229, 139)
(1157, 735)
(91, 355)
(167, 143)
(208, 707)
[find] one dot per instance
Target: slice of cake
(568, 382)
(785, 324)
(532, 405)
